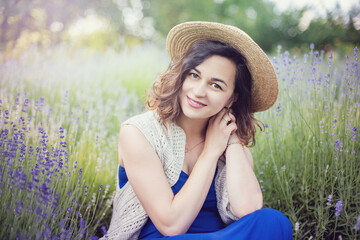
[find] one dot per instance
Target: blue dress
(265, 223)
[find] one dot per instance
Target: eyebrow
(214, 79)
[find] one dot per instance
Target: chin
(197, 114)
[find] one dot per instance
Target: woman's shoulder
(149, 124)
(144, 121)
(145, 117)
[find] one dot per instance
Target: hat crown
(264, 90)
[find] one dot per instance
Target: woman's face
(208, 88)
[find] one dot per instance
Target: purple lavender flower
(94, 237)
(18, 208)
(103, 229)
(356, 50)
(55, 201)
(86, 190)
(80, 174)
(6, 116)
(82, 229)
(64, 232)
(26, 102)
(68, 210)
(313, 70)
(278, 108)
(47, 231)
(338, 208)
(38, 235)
(354, 132)
(38, 211)
(338, 145)
(357, 224)
(329, 200)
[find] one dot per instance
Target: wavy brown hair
(164, 94)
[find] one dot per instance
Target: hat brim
(264, 86)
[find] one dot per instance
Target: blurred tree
(167, 14)
(43, 22)
(259, 19)
(47, 22)
(334, 30)
(253, 16)
(45, 19)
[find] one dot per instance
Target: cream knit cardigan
(128, 214)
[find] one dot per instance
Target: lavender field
(60, 114)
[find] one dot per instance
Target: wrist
(235, 144)
(211, 153)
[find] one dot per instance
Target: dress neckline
(182, 171)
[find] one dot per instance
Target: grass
(61, 111)
(310, 148)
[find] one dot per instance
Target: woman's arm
(172, 215)
(243, 188)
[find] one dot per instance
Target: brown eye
(215, 85)
(194, 75)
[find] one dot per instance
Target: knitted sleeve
(222, 199)
(129, 216)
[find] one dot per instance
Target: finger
(227, 119)
(231, 128)
(221, 115)
(232, 117)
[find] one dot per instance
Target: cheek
(183, 90)
(224, 101)
(185, 86)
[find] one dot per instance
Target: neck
(194, 129)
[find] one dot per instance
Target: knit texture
(128, 214)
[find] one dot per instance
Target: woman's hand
(220, 128)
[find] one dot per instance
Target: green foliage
(47, 23)
(254, 17)
(260, 20)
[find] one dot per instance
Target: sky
(319, 5)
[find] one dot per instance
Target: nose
(200, 89)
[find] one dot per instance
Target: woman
(185, 170)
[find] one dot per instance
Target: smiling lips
(195, 104)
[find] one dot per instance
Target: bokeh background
(124, 23)
(72, 71)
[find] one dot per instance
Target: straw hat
(264, 88)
